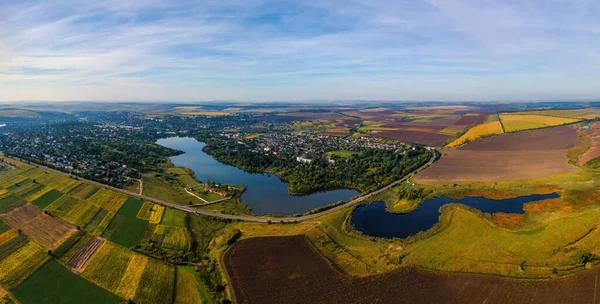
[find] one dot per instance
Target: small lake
(374, 220)
(265, 193)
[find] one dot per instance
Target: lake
(374, 220)
(265, 193)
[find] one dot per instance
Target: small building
(304, 160)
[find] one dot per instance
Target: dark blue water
(265, 193)
(374, 220)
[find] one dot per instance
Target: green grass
(53, 283)
(10, 202)
(343, 153)
(173, 217)
(47, 199)
(126, 229)
(3, 227)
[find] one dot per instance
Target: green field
(10, 202)
(173, 217)
(3, 227)
(18, 185)
(12, 245)
(53, 283)
(47, 199)
(96, 220)
(343, 153)
(126, 229)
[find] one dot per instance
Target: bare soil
(425, 138)
(82, 257)
(594, 151)
(515, 156)
(290, 270)
(48, 231)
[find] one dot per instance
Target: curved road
(248, 218)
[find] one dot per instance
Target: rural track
(247, 218)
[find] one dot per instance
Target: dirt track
(290, 270)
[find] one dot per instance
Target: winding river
(374, 220)
(265, 193)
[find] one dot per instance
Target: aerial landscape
(299, 152)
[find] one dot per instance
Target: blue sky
(155, 50)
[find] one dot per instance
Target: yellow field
(131, 279)
(187, 289)
(108, 266)
(3, 191)
(21, 264)
(7, 236)
(156, 214)
(145, 211)
(109, 200)
(519, 122)
(485, 129)
(105, 222)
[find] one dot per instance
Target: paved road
(248, 218)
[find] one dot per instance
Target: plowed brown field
(594, 151)
(48, 231)
(515, 156)
(290, 270)
(82, 257)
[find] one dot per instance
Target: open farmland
(84, 191)
(133, 275)
(109, 200)
(157, 283)
(21, 264)
(523, 155)
(53, 283)
(9, 202)
(83, 256)
(482, 130)
(47, 199)
(46, 230)
(125, 228)
(292, 271)
(519, 122)
(594, 152)
(107, 266)
(188, 289)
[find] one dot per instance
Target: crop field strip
(45, 230)
(15, 268)
(108, 277)
(109, 200)
(47, 198)
(81, 258)
(53, 283)
(125, 228)
(519, 122)
(130, 281)
(188, 289)
(84, 191)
